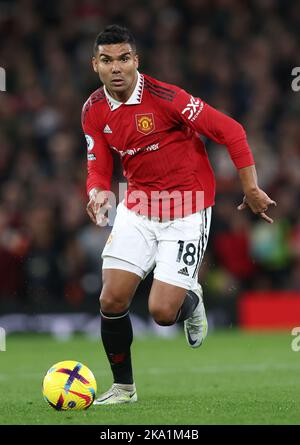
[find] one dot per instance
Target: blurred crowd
(235, 55)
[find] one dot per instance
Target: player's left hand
(258, 201)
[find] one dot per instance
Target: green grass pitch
(234, 378)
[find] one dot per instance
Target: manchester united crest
(145, 123)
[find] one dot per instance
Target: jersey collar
(134, 99)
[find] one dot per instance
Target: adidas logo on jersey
(184, 271)
(107, 129)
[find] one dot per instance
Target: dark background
(235, 55)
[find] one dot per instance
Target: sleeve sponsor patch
(193, 108)
(90, 142)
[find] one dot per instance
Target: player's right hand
(98, 206)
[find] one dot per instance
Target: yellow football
(69, 385)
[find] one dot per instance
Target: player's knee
(163, 315)
(112, 302)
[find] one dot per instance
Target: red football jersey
(156, 133)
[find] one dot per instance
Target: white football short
(174, 249)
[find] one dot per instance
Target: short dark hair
(114, 34)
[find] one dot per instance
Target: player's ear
(94, 63)
(137, 61)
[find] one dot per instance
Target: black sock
(189, 304)
(116, 333)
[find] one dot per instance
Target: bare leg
(169, 304)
